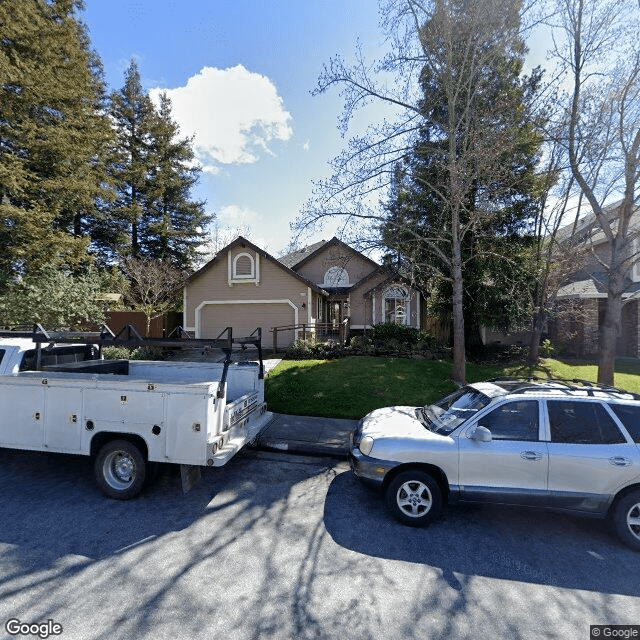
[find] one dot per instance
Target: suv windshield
(452, 410)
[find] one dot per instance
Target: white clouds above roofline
(234, 115)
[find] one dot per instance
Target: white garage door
(245, 317)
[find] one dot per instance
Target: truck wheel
(414, 498)
(626, 519)
(120, 470)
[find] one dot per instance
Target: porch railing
(319, 330)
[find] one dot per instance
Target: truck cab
(19, 354)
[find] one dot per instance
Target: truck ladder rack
(129, 336)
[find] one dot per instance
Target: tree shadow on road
(507, 543)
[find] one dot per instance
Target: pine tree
(53, 132)
(491, 140)
(174, 224)
(154, 173)
(133, 115)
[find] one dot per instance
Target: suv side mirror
(481, 434)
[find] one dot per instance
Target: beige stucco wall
(277, 299)
(336, 256)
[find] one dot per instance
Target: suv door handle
(620, 461)
(531, 455)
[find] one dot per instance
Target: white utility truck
(57, 394)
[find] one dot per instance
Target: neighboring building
(324, 284)
(588, 288)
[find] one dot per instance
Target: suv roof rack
(567, 384)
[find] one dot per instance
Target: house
(586, 289)
(323, 285)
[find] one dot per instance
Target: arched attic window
(336, 277)
(395, 303)
(244, 267)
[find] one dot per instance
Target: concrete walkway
(307, 435)
(293, 434)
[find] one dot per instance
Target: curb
(302, 448)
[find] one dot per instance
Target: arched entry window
(396, 305)
(336, 277)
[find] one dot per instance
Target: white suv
(567, 445)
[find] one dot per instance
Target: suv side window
(575, 422)
(516, 420)
(629, 415)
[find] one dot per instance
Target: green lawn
(351, 387)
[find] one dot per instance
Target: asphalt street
(290, 547)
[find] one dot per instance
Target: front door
(335, 312)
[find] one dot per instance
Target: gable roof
(393, 277)
(313, 250)
(588, 227)
(241, 241)
(292, 259)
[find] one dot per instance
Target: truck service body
(127, 414)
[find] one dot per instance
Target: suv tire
(414, 498)
(626, 519)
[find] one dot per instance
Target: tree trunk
(609, 335)
(459, 364)
(536, 334)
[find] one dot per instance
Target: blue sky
(239, 75)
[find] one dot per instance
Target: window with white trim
(244, 267)
(395, 304)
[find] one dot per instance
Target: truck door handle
(620, 461)
(531, 455)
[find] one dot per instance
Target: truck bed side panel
(63, 418)
(186, 440)
(22, 407)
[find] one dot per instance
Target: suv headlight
(366, 444)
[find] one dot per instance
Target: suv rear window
(629, 415)
(582, 423)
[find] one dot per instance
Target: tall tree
(154, 174)
(495, 251)
(174, 224)
(599, 50)
(450, 63)
(53, 131)
(133, 116)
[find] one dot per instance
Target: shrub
(547, 349)
(116, 353)
(390, 331)
(497, 353)
(149, 353)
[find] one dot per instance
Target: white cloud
(234, 216)
(233, 113)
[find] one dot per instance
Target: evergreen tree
(497, 200)
(174, 224)
(133, 116)
(53, 132)
(154, 173)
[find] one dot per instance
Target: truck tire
(414, 498)
(120, 470)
